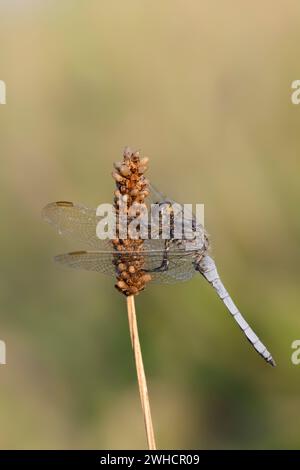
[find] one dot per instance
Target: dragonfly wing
(208, 269)
(156, 196)
(101, 262)
(75, 221)
(179, 268)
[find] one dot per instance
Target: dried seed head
(144, 161)
(127, 152)
(132, 188)
(134, 192)
(125, 170)
(117, 165)
(142, 169)
(136, 156)
(117, 176)
(133, 290)
(122, 285)
(122, 267)
(146, 278)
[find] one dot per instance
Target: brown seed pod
(135, 156)
(122, 285)
(117, 165)
(122, 267)
(133, 290)
(134, 192)
(132, 188)
(142, 169)
(144, 161)
(127, 152)
(125, 170)
(117, 176)
(146, 278)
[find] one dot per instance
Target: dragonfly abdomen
(206, 266)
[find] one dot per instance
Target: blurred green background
(203, 89)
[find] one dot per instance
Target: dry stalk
(135, 342)
(132, 278)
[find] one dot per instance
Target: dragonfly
(166, 260)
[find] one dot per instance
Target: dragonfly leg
(165, 262)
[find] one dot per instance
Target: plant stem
(135, 342)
